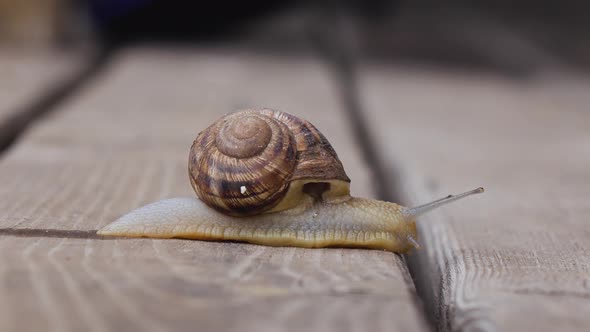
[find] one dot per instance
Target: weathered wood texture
(123, 142)
(517, 257)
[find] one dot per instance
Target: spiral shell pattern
(243, 163)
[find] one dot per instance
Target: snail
(268, 177)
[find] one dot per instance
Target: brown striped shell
(257, 161)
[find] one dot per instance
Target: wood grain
(516, 258)
(123, 142)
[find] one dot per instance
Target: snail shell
(256, 161)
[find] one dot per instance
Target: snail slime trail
(270, 178)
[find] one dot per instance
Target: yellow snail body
(270, 178)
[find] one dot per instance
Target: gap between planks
(347, 80)
(339, 52)
(51, 233)
(19, 120)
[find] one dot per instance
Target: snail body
(349, 224)
(271, 178)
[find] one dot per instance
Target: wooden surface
(518, 257)
(513, 259)
(122, 142)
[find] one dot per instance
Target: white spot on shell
(243, 189)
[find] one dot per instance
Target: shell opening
(316, 189)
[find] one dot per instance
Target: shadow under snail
(271, 178)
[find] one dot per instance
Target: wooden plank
(74, 284)
(515, 258)
(27, 75)
(123, 142)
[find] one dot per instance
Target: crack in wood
(339, 50)
(21, 119)
(52, 233)
(549, 292)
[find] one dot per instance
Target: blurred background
(466, 93)
(514, 37)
